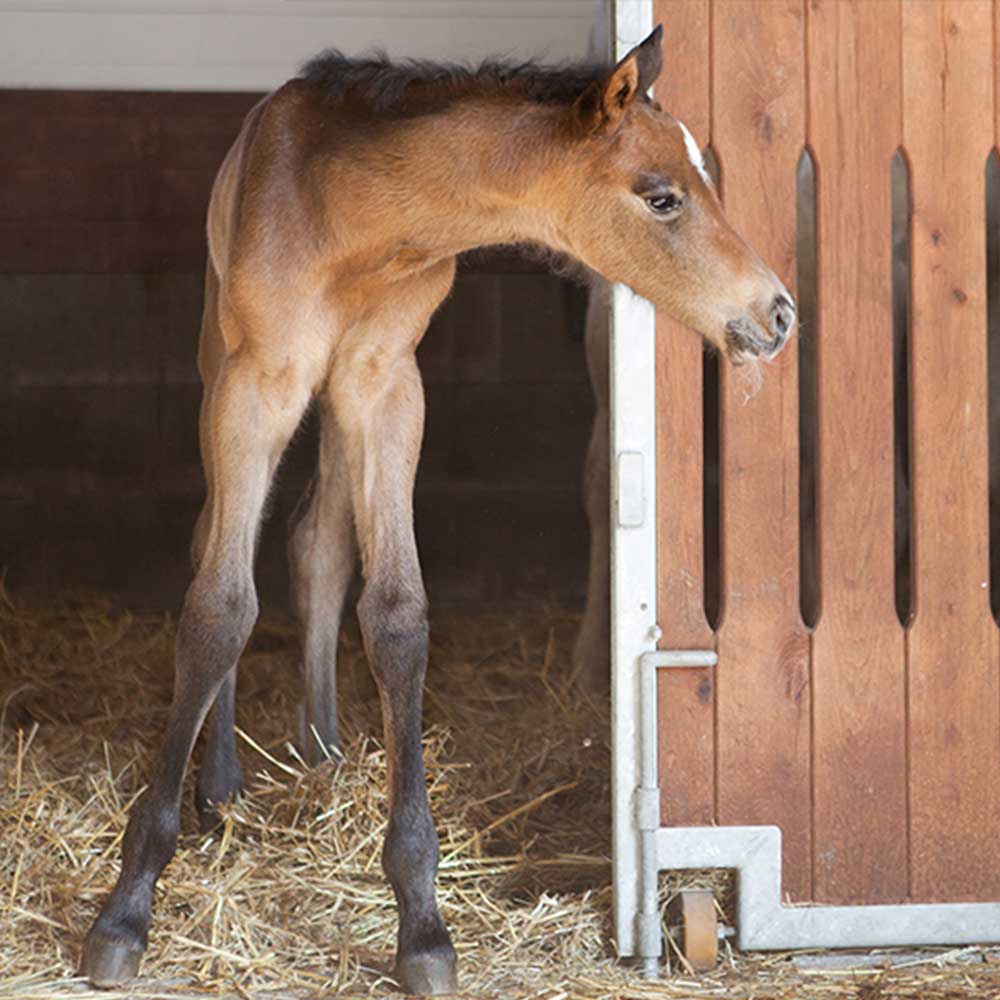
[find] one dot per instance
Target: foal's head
(636, 203)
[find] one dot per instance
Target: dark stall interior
(101, 267)
(102, 258)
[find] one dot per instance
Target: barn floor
(289, 901)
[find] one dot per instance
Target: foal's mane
(385, 87)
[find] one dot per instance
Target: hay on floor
(289, 900)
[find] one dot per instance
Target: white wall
(257, 44)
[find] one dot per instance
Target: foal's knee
(394, 627)
(153, 831)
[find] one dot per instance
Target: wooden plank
(686, 700)
(45, 103)
(763, 717)
(948, 94)
(132, 189)
(130, 246)
(859, 700)
(136, 201)
(55, 126)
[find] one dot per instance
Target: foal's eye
(664, 204)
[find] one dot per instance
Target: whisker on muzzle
(751, 378)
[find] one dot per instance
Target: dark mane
(387, 87)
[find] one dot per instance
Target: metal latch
(659, 658)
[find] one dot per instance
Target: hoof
(310, 738)
(211, 791)
(108, 963)
(209, 818)
(430, 974)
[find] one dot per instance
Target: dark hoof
(220, 788)
(209, 817)
(430, 974)
(107, 963)
(312, 736)
(313, 754)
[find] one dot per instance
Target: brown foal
(333, 229)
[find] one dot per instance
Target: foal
(333, 228)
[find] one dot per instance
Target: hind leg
(220, 777)
(253, 412)
(322, 552)
(592, 649)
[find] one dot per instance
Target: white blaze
(694, 154)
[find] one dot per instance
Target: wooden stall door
(874, 747)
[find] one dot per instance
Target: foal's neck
(440, 184)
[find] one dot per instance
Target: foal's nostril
(782, 317)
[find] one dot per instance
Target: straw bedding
(289, 900)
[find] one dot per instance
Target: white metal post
(633, 540)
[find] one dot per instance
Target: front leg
(382, 445)
(393, 616)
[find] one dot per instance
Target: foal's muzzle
(748, 337)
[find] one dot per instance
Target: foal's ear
(601, 107)
(649, 58)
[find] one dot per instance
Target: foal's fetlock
(410, 859)
(148, 845)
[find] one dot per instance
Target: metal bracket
(766, 924)
(755, 852)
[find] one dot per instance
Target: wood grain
(763, 681)
(859, 703)
(686, 698)
(954, 733)
(104, 183)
